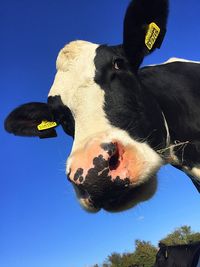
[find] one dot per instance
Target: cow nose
(99, 174)
(90, 163)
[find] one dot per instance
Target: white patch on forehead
(72, 52)
(75, 68)
(74, 82)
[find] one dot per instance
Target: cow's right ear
(144, 28)
(31, 119)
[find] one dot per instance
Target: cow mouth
(85, 200)
(124, 200)
(133, 196)
(113, 176)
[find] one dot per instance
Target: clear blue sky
(41, 223)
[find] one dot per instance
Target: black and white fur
(100, 90)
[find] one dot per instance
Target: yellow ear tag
(44, 125)
(152, 35)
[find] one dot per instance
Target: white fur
(74, 82)
(175, 59)
(195, 172)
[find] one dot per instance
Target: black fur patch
(100, 163)
(175, 86)
(127, 105)
(62, 114)
(78, 175)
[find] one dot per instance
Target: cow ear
(144, 28)
(31, 119)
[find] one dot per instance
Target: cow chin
(132, 197)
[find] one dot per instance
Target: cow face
(114, 129)
(116, 124)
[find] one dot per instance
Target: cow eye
(118, 64)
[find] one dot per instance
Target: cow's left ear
(31, 119)
(144, 28)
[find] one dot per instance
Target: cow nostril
(114, 161)
(114, 155)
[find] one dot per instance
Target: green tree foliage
(145, 253)
(181, 235)
(143, 256)
(115, 260)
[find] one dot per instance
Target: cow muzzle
(105, 174)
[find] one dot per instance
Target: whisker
(180, 145)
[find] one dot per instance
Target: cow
(187, 255)
(126, 121)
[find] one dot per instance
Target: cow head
(116, 124)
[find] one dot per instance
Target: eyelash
(118, 64)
